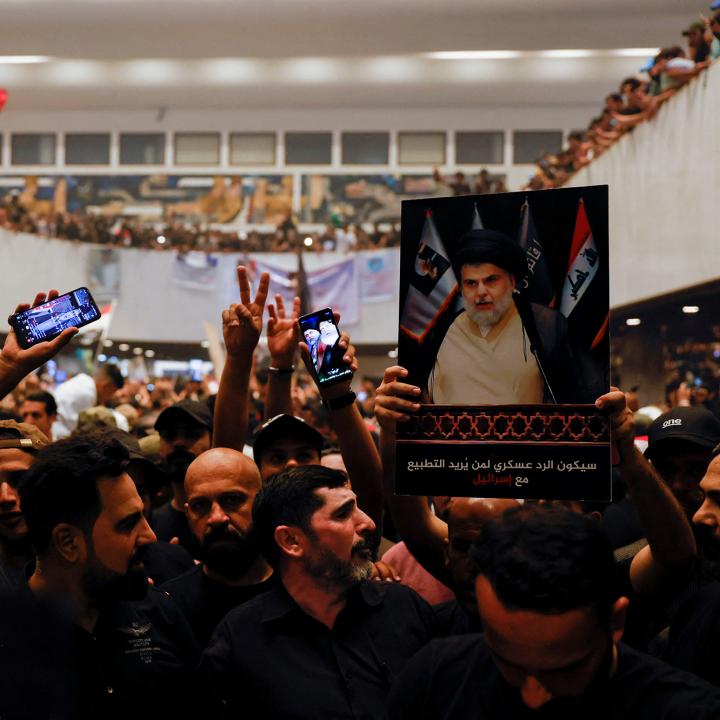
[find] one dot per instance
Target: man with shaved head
(221, 485)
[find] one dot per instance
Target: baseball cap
(696, 26)
(180, 412)
(693, 424)
(284, 426)
(21, 436)
(488, 246)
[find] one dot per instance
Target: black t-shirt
(455, 678)
(694, 643)
(205, 602)
(295, 667)
(167, 522)
(451, 618)
(164, 561)
(621, 524)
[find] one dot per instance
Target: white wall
(664, 179)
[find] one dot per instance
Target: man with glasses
(220, 486)
(184, 430)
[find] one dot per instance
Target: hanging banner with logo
(378, 275)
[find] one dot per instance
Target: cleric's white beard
(485, 319)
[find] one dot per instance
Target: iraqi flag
(585, 294)
(432, 285)
(537, 285)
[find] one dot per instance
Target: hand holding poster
(508, 383)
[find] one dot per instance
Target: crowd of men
(636, 100)
(236, 559)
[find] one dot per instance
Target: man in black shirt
(553, 622)
(328, 642)
(133, 650)
(221, 486)
(184, 430)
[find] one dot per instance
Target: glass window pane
(197, 148)
(479, 147)
(308, 148)
(529, 145)
(252, 149)
(33, 149)
(142, 149)
(371, 148)
(87, 149)
(421, 148)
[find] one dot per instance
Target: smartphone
(322, 336)
(47, 321)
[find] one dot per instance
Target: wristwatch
(340, 402)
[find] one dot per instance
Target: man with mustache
(184, 430)
(486, 356)
(221, 486)
(133, 649)
(327, 642)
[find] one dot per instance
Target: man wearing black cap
(18, 443)
(503, 350)
(184, 430)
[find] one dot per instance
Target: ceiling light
(476, 55)
(102, 357)
(690, 309)
(567, 53)
(108, 343)
(123, 347)
(632, 322)
(22, 59)
(149, 353)
(161, 239)
(634, 52)
(205, 344)
(308, 241)
(137, 351)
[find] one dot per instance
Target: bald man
(221, 485)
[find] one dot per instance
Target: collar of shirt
(278, 604)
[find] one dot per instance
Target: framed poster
(504, 325)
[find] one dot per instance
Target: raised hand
(16, 360)
(283, 332)
(242, 322)
(391, 403)
(622, 420)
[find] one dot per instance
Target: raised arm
(283, 335)
(242, 324)
(424, 534)
(357, 448)
(16, 363)
(671, 544)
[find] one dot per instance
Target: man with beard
(134, 651)
(553, 620)
(184, 430)
(327, 642)
(221, 486)
(18, 444)
(503, 350)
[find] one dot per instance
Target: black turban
(488, 246)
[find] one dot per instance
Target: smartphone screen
(322, 337)
(47, 321)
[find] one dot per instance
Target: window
(142, 149)
(87, 149)
(529, 145)
(370, 148)
(197, 148)
(421, 148)
(479, 148)
(33, 149)
(308, 148)
(252, 149)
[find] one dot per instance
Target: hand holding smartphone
(322, 335)
(48, 320)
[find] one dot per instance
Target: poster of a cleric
(504, 328)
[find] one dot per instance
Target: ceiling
(130, 54)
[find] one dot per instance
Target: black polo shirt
(138, 662)
(292, 666)
(456, 679)
(205, 602)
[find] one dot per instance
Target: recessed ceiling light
(560, 53)
(690, 309)
(475, 55)
(138, 351)
(205, 344)
(23, 59)
(149, 353)
(632, 322)
(123, 347)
